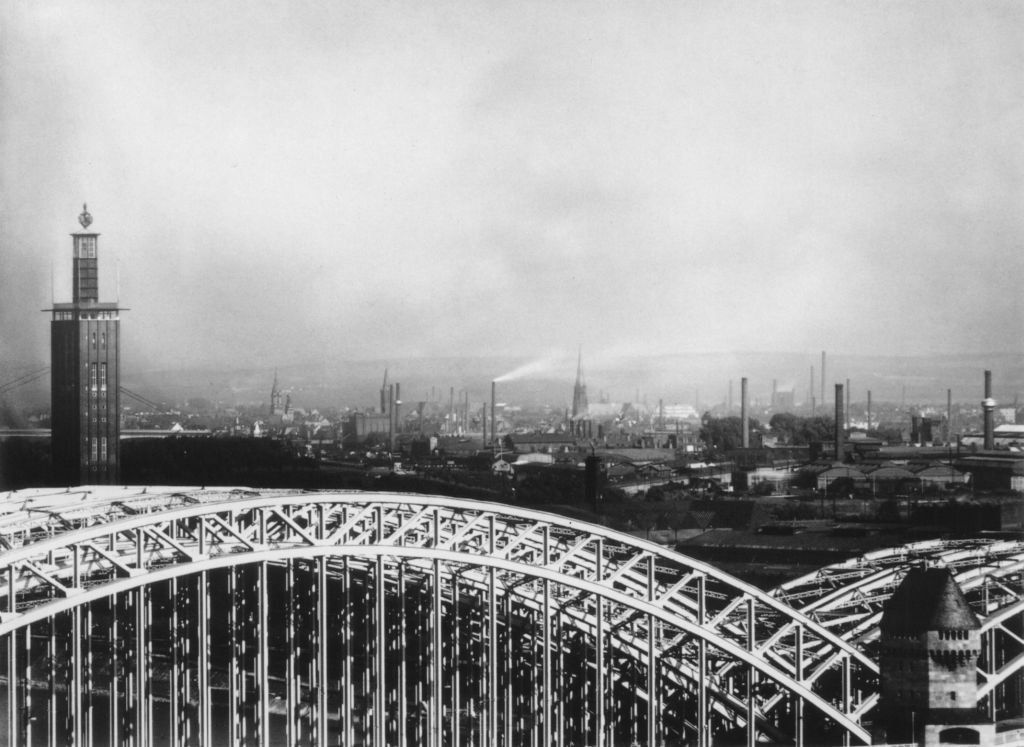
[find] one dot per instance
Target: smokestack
(775, 392)
(730, 397)
(743, 412)
(810, 392)
(949, 416)
(661, 413)
(398, 407)
(822, 378)
(391, 417)
(989, 407)
(494, 419)
(869, 409)
(839, 421)
(451, 410)
(847, 421)
(483, 415)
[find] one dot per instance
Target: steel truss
(847, 598)
(234, 617)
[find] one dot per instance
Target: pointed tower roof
(579, 390)
(927, 599)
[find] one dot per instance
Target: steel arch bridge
(847, 598)
(196, 617)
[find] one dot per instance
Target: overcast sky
(379, 180)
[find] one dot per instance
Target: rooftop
(927, 599)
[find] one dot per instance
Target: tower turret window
(87, 247)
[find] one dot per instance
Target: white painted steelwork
(847, 598)
(243, 617)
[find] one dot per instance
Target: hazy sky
(327, 180)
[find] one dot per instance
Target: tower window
(93, 377)
(103, 340)
(103, 448)
(103, 377)
(93, 449)
(87, 247)
(94, 339)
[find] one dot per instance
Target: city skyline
(372, 183)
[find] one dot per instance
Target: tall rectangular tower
(85, 399)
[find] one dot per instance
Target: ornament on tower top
(85, 219)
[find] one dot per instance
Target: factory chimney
(810, 392)
(989, 407)
(822, 378)
(494, 420)
(398, 407)
(391, 417)
(847, 421)
(839, 422)
(869, 409)
(743, 412)
(949, 416)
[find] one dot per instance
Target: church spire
(275, 397)
(579, 391)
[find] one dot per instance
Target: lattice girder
(142, 538)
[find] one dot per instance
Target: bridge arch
(649, 644)
(848, 597)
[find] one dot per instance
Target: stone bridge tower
(929, 648)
